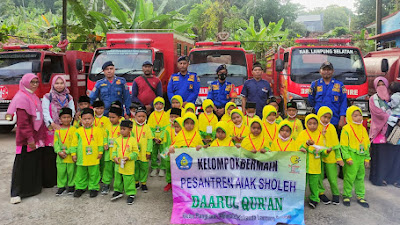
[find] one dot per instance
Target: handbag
(394, 137)
(379, 139)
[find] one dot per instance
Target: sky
(311, 4)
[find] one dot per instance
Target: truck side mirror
(36, 66)
(157, 65)
(279, 65)
(79, 64)
(384, 65)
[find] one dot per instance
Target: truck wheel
(6, 129)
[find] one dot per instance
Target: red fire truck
(18, 60)
(207, 56)
(128, 49)
(292, 70)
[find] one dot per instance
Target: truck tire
(6, 129)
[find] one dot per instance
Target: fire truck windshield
(14, 65)
(128, 62)
(347, 62)
(205, 63)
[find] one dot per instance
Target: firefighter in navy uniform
(110, 89)
(220, 90)
(329, 92)
(184, 83)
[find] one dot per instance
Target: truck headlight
(363, 105)
(301, 104)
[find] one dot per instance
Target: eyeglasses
(34, 82)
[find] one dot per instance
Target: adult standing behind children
(30, 136)
(110, 89)
(52, 103)
(184, 83)
(330, 92)
(146, 88)
(256, 90)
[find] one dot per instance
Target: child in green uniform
(296, 123)
(83, 103)
(124, 155)
(158, 122)
(101, 122)
(142, 133)
(307, 140)
(112, 132)
(354, 142)
(87, 150)
(171, 131)
(62, 146)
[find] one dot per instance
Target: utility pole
(64, 21)
(378, 20)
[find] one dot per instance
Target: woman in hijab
(30, 137)
(56, 99)
(382, 123)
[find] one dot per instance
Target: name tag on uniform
(111, 143)
(265, 90)
(89, 150)
(209, 129)
(319, 88)
(102, 85)
(215, 87)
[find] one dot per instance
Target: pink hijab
(27, 101)
(378, 116)
(58, 99)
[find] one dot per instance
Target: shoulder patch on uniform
(118, 82)
(191, 78)
(175, 78)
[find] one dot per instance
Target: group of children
(99, 148)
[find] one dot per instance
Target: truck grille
(4, 106)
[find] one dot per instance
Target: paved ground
(155, 206)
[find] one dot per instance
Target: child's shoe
(324, 199)
(116, 196)
(144, 188)
(161, 173)
(105, 189)
(153, 173)
(93, 193)
(313, 204)
(335, 200)
(346, 201)
(78, 193)
(167, 187)
(363, 202)
(60, 191)
(137, 185)
(130, 200)
(71, 190)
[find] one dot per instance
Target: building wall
(393, 23)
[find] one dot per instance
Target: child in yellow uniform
(354, 142)
(83, 103)
(124, 155)
(250, 112)
(101, 122)
(112, 133)
(238, 128)
(274, 102)
(87, 150)
(143, 135)
(189, 107)
(207, 121)
(255, 141)
(284, 140)
(223, 138)
(176, 102)
(329, 163)
(306, 140)
(189, 136)
(62, 146)
(296, 123)
(171, 132)
(158, 122)
(228, 108)
(270, 127)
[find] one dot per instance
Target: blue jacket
(333, 95)
(109, 92)
(187, 86)
(219, 93)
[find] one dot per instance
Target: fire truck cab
(18, 60)
(207, 56)
(292, 70)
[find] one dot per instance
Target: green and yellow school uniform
(279, 145)
(207, 122)
(297, 127)
(144, 138)
(258, 142)
(65, 167)
(112, 133)
(124, 178)
(87, 145)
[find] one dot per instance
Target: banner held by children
(229, 185)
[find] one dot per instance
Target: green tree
(366, 12)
